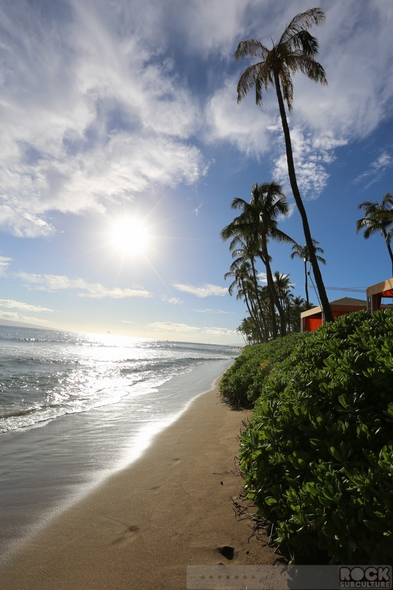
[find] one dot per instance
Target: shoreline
(145, 524)
(48, 468)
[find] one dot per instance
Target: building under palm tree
(311, 319)
(376, 293)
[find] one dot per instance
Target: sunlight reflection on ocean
(45, 374)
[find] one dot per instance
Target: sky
(116, 109)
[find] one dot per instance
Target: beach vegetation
(317, 454)
(241, 385)
(295, 51)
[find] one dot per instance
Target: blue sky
(122, 109)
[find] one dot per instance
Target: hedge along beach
(86, 501)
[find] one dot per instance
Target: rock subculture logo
(366, 577)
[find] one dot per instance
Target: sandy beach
(144, 526)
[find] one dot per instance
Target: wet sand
(143, 526)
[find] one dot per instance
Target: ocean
(77, 407)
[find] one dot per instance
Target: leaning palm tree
(378, 218)
(295, 50)
(303, 252)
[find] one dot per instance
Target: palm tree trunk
(387, 240)
(306, 283)
(299, 203)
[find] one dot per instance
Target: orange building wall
(312, 323)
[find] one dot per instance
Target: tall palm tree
(295, 50)
(378, 218)
(303, 252)
(257, 223)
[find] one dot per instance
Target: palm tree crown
(378, 218)
(303, 252)
(295, 51)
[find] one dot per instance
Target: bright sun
(129, 236)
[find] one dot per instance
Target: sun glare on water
(130, 236)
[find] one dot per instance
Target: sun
(129, 236)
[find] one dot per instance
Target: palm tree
(298, 304)
(378, 217)
(245, 248)
(303, 252)
(294, 51)
(244, 282)
(257, 223)
(283, 286)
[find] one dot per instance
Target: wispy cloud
(10, 303)
(356, 101)
(4, 264)
(14, 316)
(376, 170)
(90, 113)
(95, 110)
(311, 156)
(191, 330)
(219, 311)
(205, 291)
(174, 327)
(197, 209)
(172, 300)
(93, 290)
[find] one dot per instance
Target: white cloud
(376, 169)
(197, 209)
(94, 109)
(174, 327)
(220, 331)
(191, 330)
(4, 263)
(13, 316)
(172, 300)
(92, 290)
(244, 125)
(89, 113)
(205, 291)
(356, 101)
(311, 155)
(219, 311)
(10, 303)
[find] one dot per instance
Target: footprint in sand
(127, 535)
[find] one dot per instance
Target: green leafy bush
(317, 456)
(242, 383)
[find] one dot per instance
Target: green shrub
(242, 383)
(317, 456)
